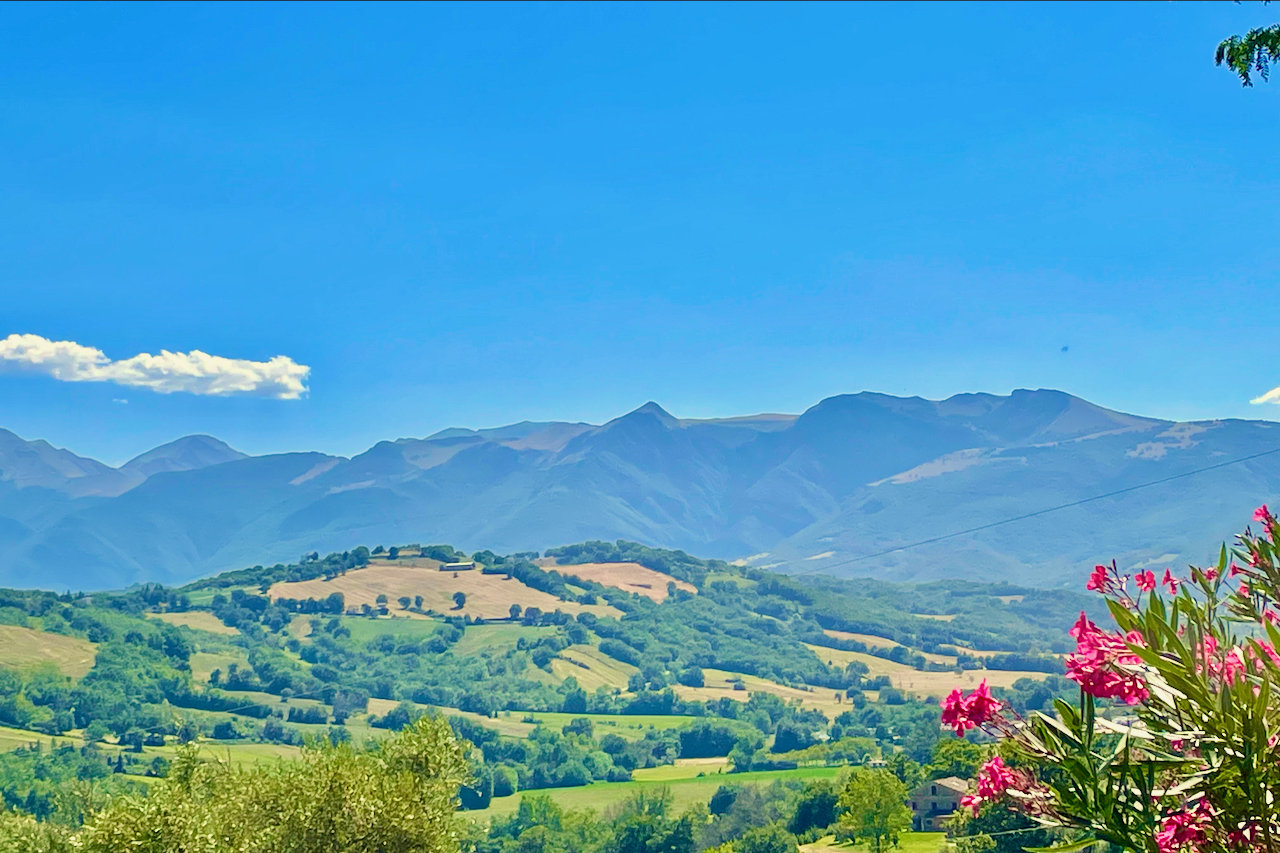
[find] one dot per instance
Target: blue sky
(473, 215)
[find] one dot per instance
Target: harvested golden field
(870, 641)
(200, 620)
(25, 647)
(936, 684)
(629, 577)
(592, 668)
(719, 683)
(488, 596)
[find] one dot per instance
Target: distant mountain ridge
(853, 476)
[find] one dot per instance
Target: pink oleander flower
(1170, 581)
(1234, 570)
(954, 713)
(1146, 581)
(1185, 830)
(1262, 514)
(1211, 574)
(1243, 591)
(1098, 656)
(962, 712)
(1099, 579)
(1268, 650)
(994, 779)
(1233, 667)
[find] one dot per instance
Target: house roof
(954, 783)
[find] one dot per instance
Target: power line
(944, 537)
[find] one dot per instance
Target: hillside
(855, 475)
(565, 673)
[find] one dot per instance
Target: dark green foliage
(1251, 53)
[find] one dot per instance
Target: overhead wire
(827, 567)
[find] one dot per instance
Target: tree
(400, 796)
(874, 808)
(404, 601)
(956, 757)
(393, 552)
(417, 602)
(514, 611)
(1255, 51)
(459, 600)
(766, 839)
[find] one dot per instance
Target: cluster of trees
(678, 564)
(400, 795)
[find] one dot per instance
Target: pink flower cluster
(1094, 666)
(994, 779)
(962, 712)
(1186, 829)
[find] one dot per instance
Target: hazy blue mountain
(186, 454)
(830, 489)
(26, 464)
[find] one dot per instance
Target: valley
(593, 674)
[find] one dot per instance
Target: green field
(682, 769)
(11, 738)
(364, 629)
(197, 620)
(684, 792)
(908, 842)
(592, 668)
(203, 663)
(482, 638)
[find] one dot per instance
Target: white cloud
(1272, 396)
(192, 372)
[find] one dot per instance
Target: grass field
(203, 663)
(204, 597)
(592, 668)
(488, 596)
(11, 739)
(200, 620)
(908, 842)
(629, 577)
(684, 792)
(21, 648)
(364, 629)
(684, 768)
(478, 639)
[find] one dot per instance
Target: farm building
(466, 566)
(935, 801)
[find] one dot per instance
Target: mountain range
(840, 488)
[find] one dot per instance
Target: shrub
(1175, 743)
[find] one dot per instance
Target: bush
(1173, 744)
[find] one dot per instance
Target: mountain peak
(184, 454)
(653, 409)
